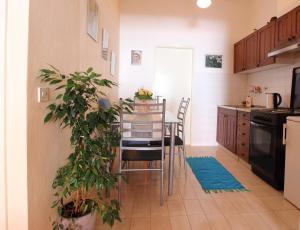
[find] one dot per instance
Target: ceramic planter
(87, 222)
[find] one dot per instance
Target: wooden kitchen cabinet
(243, 131)
(284, 32)
(288, 28)
(251, 54)
(239, 56)
(226, 128)
(296, 23)
(266, 43)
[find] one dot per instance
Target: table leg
(171, 159)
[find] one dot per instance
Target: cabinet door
(220, 128)
(231, 125)
(251, 56)
(296, 23)
(266, 43)
(283, 34)
(239, 55)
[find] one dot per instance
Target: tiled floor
(191, 208)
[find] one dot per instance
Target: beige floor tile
(199, 221)
(124, 225)
(180, 223)
(273, 221)
(225, 205)
(192, 207)
(209, 206)
(176, 208)
(140, 223)
(277, 203)
(160, 223)
(188, 193)
(157, 210)
(217, 222)
(236, 221)
(255, 221)
(290, 217)
(239, 202)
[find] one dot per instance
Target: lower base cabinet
(233, 131)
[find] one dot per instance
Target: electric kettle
(273, 100)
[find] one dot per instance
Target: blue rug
(213, 176)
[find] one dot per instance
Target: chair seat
(136, 155)
(178, 141)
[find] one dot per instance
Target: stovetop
(273, 117)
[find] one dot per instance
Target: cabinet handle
(284, 135)
(257, 65)
(290, 39)
(243, 134)
(244, 124)
(243, 144)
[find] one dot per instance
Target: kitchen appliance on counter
(292, 161)
(267, 152)
(273, 100)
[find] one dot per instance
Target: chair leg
(184, 159)
(119, 188)
(162, 184)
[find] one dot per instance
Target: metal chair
(138, 129)
(180, 131)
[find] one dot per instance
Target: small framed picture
(113, 63)
(213, 61)
(105, 44)
(92, 19)
(136, 57)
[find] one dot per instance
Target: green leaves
(92, 139)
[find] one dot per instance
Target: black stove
(267, 151)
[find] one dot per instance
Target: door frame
(3, 200)
(192, 80)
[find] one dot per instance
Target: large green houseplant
(81, 184)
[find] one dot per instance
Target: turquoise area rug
(213, 176)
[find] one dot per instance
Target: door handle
(284, 134)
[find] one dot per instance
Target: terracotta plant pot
(87, 222)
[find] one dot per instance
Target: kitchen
(242, 116)
(264, 134)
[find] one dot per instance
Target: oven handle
(258, 125)
(284, 134)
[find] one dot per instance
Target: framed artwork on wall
(113, 63)
(213, 61)
(92, 19)
(136, 57)
(105, 44)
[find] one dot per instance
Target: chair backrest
(181, 115)
(143, 124)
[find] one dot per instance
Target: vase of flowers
(143, 94)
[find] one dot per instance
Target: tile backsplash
(277, 80)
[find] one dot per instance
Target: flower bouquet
(143, 94)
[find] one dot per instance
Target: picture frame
(105, 44)
(113, 63)
(136, 57)
(92, 19)
(213, 61)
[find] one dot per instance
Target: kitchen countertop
(297, 119)
(242, 107)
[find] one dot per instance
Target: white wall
(284, 6)
(146, 25)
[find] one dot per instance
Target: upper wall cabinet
(296, 23)
(252, 51)
(266, 43)
(251, 57)
(239, 56)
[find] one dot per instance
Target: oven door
(263, 150)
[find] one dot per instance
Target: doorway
(173, 79)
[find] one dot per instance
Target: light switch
(43, 94)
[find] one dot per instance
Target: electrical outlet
(43, 94)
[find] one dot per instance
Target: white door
(173, 79)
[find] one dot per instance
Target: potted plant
(81, 184)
